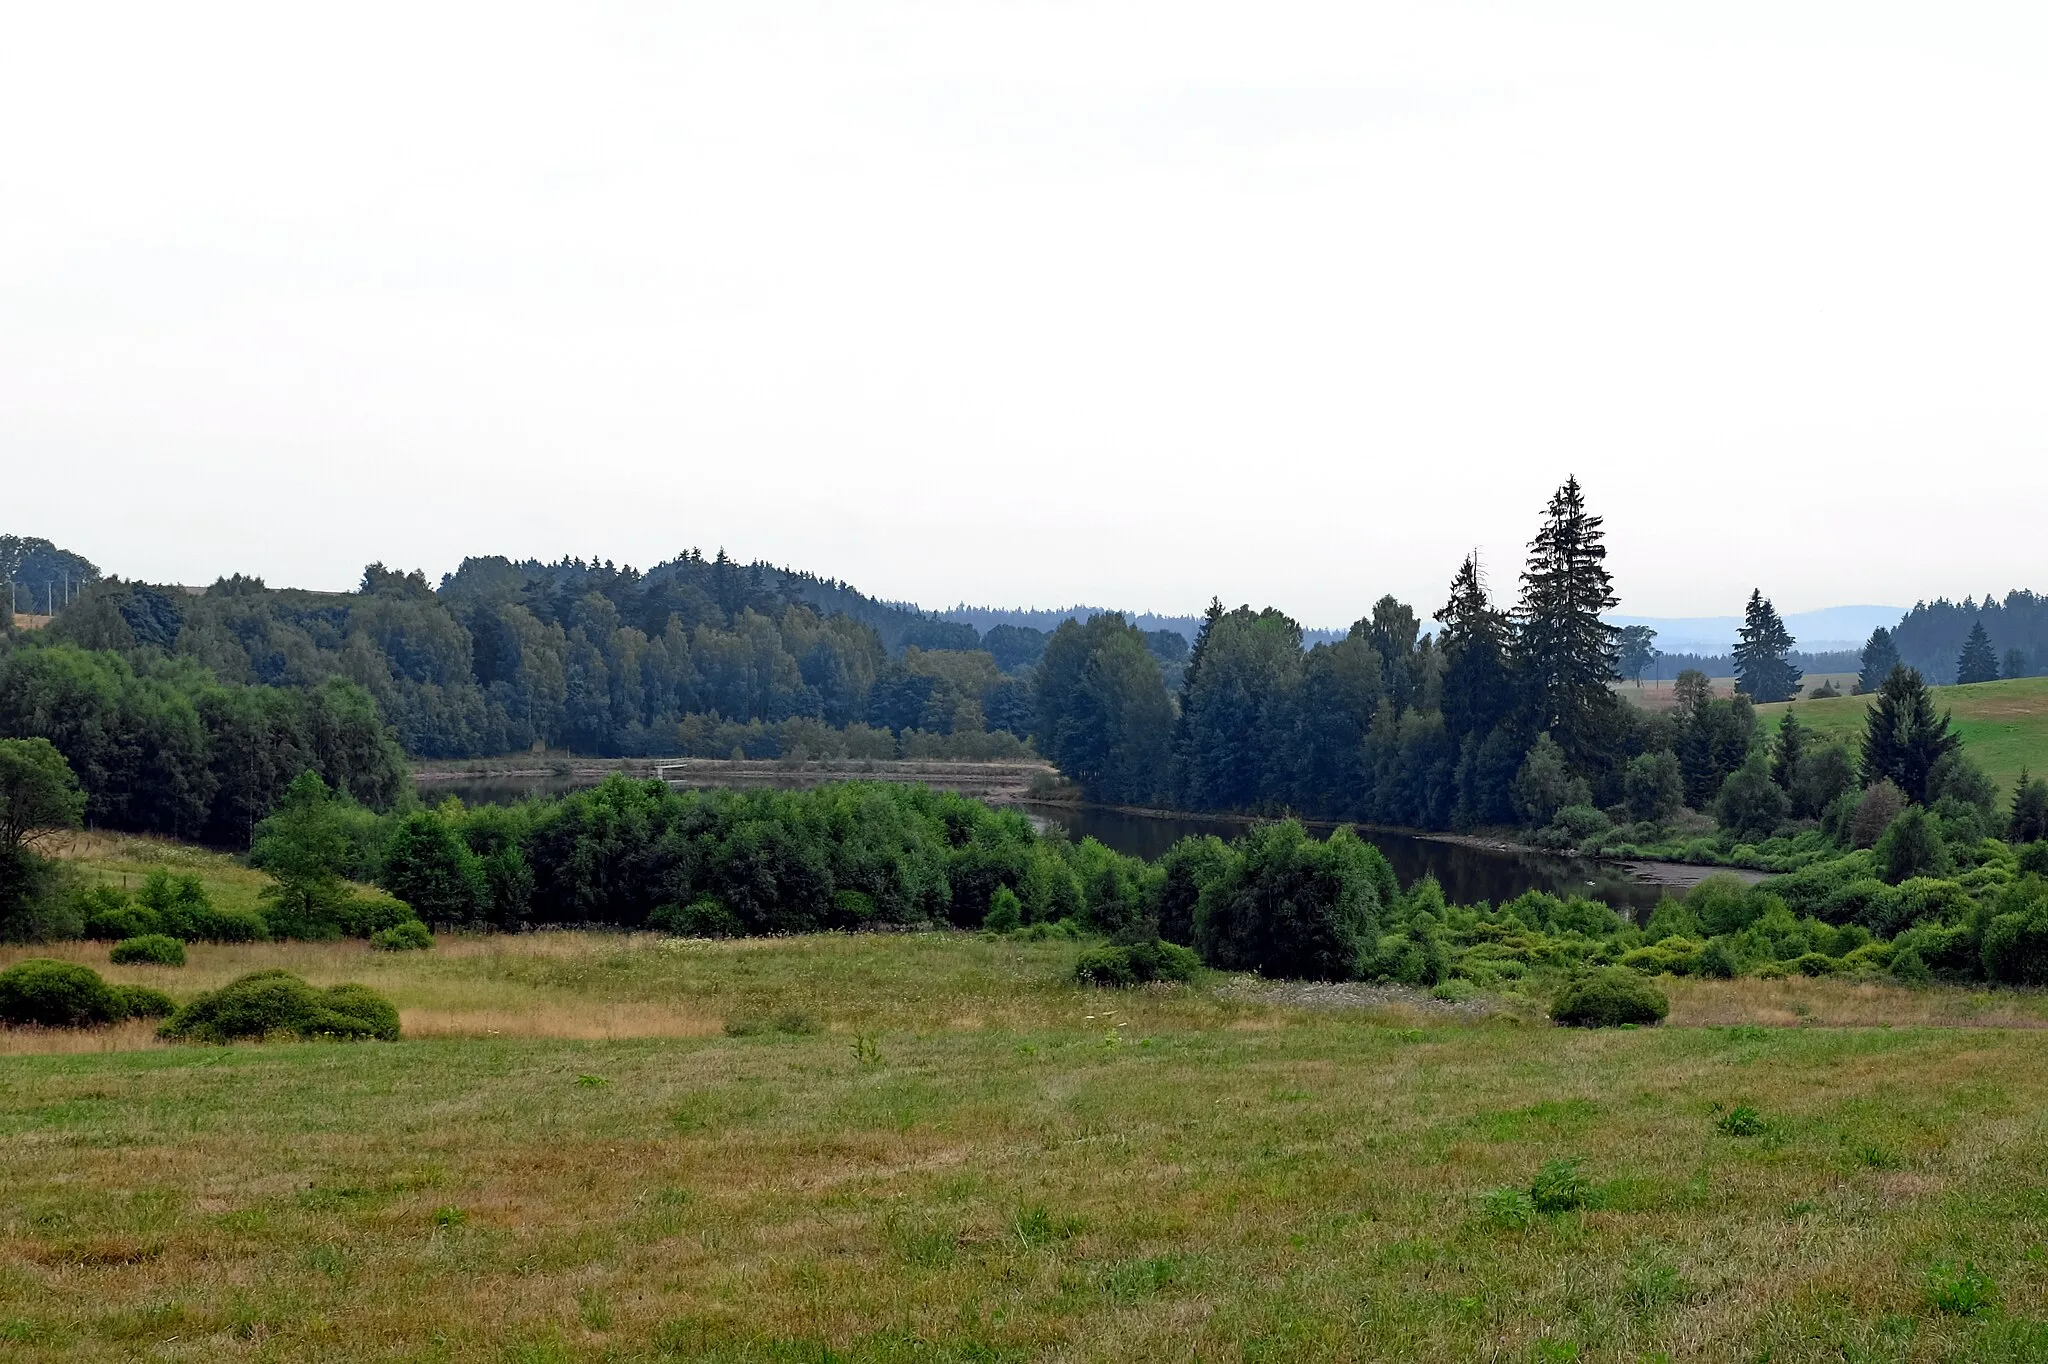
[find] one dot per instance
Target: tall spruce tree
(1791, 747)
(1476, 693)
(1902, 737)
(1762, 672)
(1880, 656)
(1977, 662)
(1185, 757)
(1563, 651)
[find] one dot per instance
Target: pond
(1468, 874)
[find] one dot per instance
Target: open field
(1662, 694)
(2004, 724)
(950, 1153)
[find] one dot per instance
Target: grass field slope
(2004, 724)
(937, 1147)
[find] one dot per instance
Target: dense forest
(699, 656)
(2014, 633)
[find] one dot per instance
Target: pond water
(1468, 874)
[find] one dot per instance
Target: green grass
(2004, 724)
(973, 1159)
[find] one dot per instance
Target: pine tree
(2029, 810)
(1563, 651)
(1977, 662)
(1185, 757)
(1880, 656)
(1474, 642)
(1791, 748)
(1902, 739)
(1762, 671)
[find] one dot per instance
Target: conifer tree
(1880, 656)
(1762, 671)
(1184, 755)
(1564, 651)
(1977, 662)
(1790, 749)
(1902, 737)
(1474, 641)
(2029, 810)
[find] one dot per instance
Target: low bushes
(410, 936)
(1136, 964)
(43, 993)
(272, 1003)
(1608, 997)
(148, 949)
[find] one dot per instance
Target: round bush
(116, 921)
(1607, 998)
(410, 936)
(43, 993)
(151, 949)
(1136, 964)
(140, 1001)
(270, 1003)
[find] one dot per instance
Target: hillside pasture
(2004, 725)
(935, 1147)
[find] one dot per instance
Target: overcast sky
(1035, 303)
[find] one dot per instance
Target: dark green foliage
(1788, 752)
(306, 845)
(1653, 787)
(1608, 997)
(1912, 846)
(151, 949)
(1750, 804)
(38, 793)
(1715, 736)
(1903, 738)
(2029, 820)
(177, 905)
(1546, 784)
(1186, 869)
(1564, 651)
(427, 865)
(1978, 661)
(410, 936)
(1136, 964)
(39, 992)
(1103, 712)
(160, 746)
(2016, 940)
(704, 918)
(109, 915)
(1290, 906)
(1717, 961)
(1880, 656)
(36, 902)
(272, 1003)
(1822, 777)
(141, 1001)
(1762, 671)
(1741, 1121)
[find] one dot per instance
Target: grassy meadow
(2004, 724)
(932, 1147)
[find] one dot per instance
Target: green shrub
(1742, 1121)
(410, 936)
(1815, 964)
(1608, 997)
(1292, 906)
(1673, 956)
(1005, 911)
(2016, 940)
(140, 1001)
(1912, 846)
(111, 916)
(1136, 964)
(1909, 967)
(269, 1003)
(1509, 1208)
(701, 918)
(1965, 1292)
(1717, 961)
(1723, 904)
(40, 992)
(151, 949)
(2033, 858)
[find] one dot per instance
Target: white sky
(1031, 303)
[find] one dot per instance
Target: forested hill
(700, 656)
(1048, 620)
(1932, 635)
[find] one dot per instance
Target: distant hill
(982, 618)
(1828, 630)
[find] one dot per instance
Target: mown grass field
(2004, 724)
(971, 1159)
